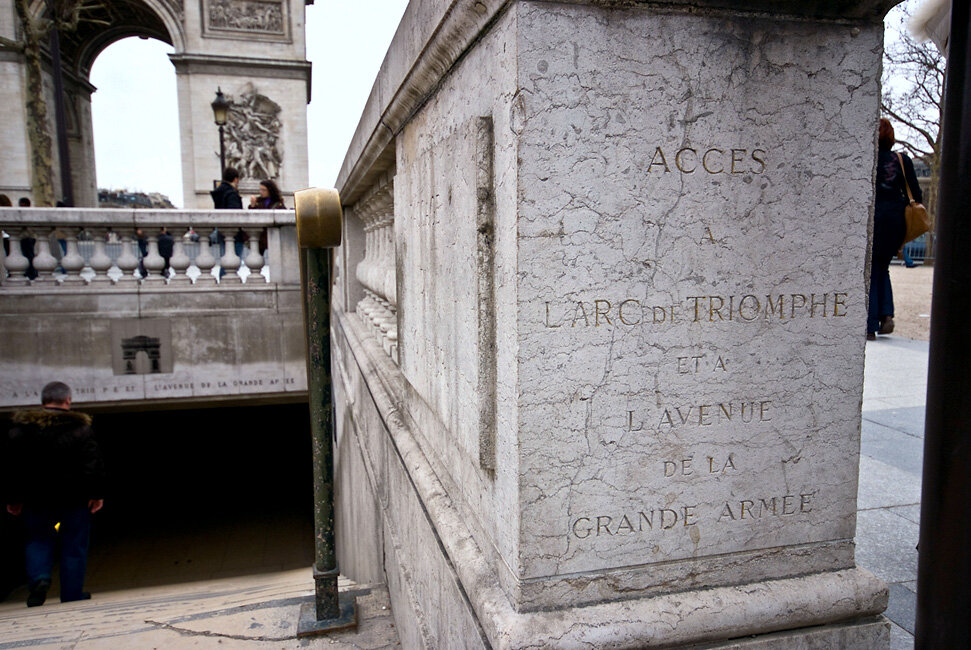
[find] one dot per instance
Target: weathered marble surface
(692, 231)
(670, 226)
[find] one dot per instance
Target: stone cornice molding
(434, 34)
(242, 67)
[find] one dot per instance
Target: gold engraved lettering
(727, 512)
(717, 467)
(586, 531)
(624, 526)
(708, 237)
(813, 303)
(598, 312)
(696, 299)
(793, 303)
(781, 506)
(603, 526)
(684, 368)
(703, 415)
(658, 153)
(678, 164)
(620, 312)
(754, 305)
(747, 308)
(770, 307)
(578, 311)
(759, 159)
(682, 468)
(712, 160)
(742, 504)
(839, 300)
(736, 158)
(704, 161)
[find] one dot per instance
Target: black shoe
(84, 596)
(886, 325)
(38, 593)
(871, 336)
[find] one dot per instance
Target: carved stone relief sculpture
(253, 134)
(247, 15)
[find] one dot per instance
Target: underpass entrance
(202, 494)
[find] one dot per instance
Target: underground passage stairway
(201, 494)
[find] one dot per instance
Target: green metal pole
(319, 229)
(317, 277)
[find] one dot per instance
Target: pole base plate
(308, 625)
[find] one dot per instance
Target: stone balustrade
(376, 271)
(69, 247)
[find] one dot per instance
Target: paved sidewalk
(256, 611)
(891, 456)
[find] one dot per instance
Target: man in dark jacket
(54, 473)
(226, 196)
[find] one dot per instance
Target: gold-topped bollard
(319, 226)
(319, 217)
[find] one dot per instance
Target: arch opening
(135, 122)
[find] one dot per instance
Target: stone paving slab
(256, 611)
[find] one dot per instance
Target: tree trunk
(42, 157)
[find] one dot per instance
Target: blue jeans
(881, 293)
(74, 534)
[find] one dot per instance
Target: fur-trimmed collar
(45, 418)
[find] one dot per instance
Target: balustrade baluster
(204, 260)
(253, 260)
(44, 262)
(127, 261)
(390, 276)
(72, 261)
(100, 262)
(179, 262)
(16, 262)
(153, 262)
(230, 262)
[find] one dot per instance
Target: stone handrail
(74, 246)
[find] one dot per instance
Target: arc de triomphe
(254, 50)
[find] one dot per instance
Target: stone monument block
(630, 249)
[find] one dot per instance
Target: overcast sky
(135, 110)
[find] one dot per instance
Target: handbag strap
(910, 196)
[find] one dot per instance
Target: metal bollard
(319, 226)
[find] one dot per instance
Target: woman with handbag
(896, 181)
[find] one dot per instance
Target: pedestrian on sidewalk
(894, 172)
(53, 473)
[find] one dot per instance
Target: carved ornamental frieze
(253, 135)
(251, 16)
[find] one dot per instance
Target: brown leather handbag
(915, 214)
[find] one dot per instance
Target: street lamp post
(220, 110)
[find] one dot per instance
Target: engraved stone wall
(692, 239)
